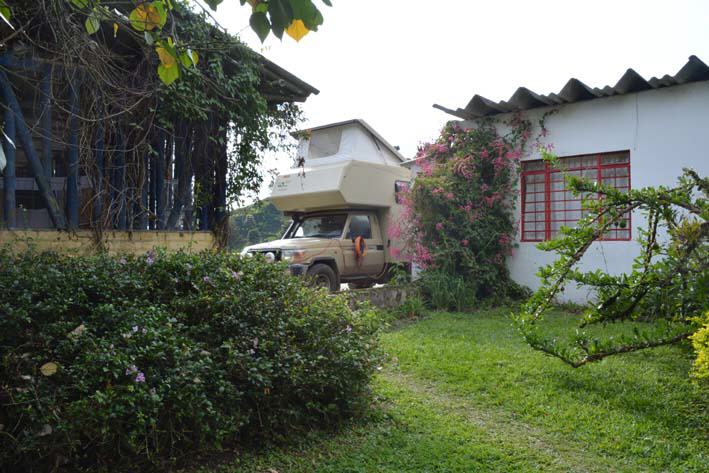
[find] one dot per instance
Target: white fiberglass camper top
(342, 141)
(345, 164)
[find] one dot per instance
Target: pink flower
(439, 226)
(464, 242)
(450, 196)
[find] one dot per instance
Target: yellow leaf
(115, 29)
(166, 59)
(145, 17)
(48, 369)
(297, 30)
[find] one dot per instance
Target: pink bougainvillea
(468, 178)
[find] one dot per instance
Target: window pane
(360, 226)
(533, 165)
(322, 226)
(615, 158)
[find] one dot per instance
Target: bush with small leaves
(137, 362)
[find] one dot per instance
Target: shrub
(700, 343)
(458, 217)
(412, 308)
(445, 291)
(140, 361)
(661, 297)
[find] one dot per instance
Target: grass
(463, 393)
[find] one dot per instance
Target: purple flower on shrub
(131, 370)
(150, 257)
(206, 279)
(140, 377)
(348, 329)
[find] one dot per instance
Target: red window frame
(551, 178)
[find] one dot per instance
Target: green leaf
(213, 4)
(160, 7)
(186, 59)
(281, 16)
(92, 23)
(260, 24)
(307, 11)
(5, 12)
(168, 74)
(194, 56)
(327, 2)
(80, 3)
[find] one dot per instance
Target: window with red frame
(548, 203)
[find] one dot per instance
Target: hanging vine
(205, 134)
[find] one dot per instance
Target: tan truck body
(344, 188)
(357, 197)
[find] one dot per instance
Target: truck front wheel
(322, 275)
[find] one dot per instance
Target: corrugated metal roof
(576, 91)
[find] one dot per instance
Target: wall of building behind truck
(665, 130)
(82, 242)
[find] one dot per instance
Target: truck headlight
(291, 256)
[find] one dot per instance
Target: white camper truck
(341, 199)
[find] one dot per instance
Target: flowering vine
(459, 215)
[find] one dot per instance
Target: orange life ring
(360, 247)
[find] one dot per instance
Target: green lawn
(463, 393)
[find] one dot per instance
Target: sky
(389, 61)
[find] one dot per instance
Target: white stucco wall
(664, 130)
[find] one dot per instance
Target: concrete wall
(383, 297)
(664, 130)
(115, 242)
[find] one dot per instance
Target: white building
(635, 134)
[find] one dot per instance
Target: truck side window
(360, 226)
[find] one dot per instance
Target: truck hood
(293, 244)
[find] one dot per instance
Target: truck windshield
(320, 226)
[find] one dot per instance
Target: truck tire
(322, 275)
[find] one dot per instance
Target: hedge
(140, 362)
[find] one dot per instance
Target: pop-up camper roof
(347, 184)
(345, 164)
(351, 139)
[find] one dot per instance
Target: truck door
(363, 224)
